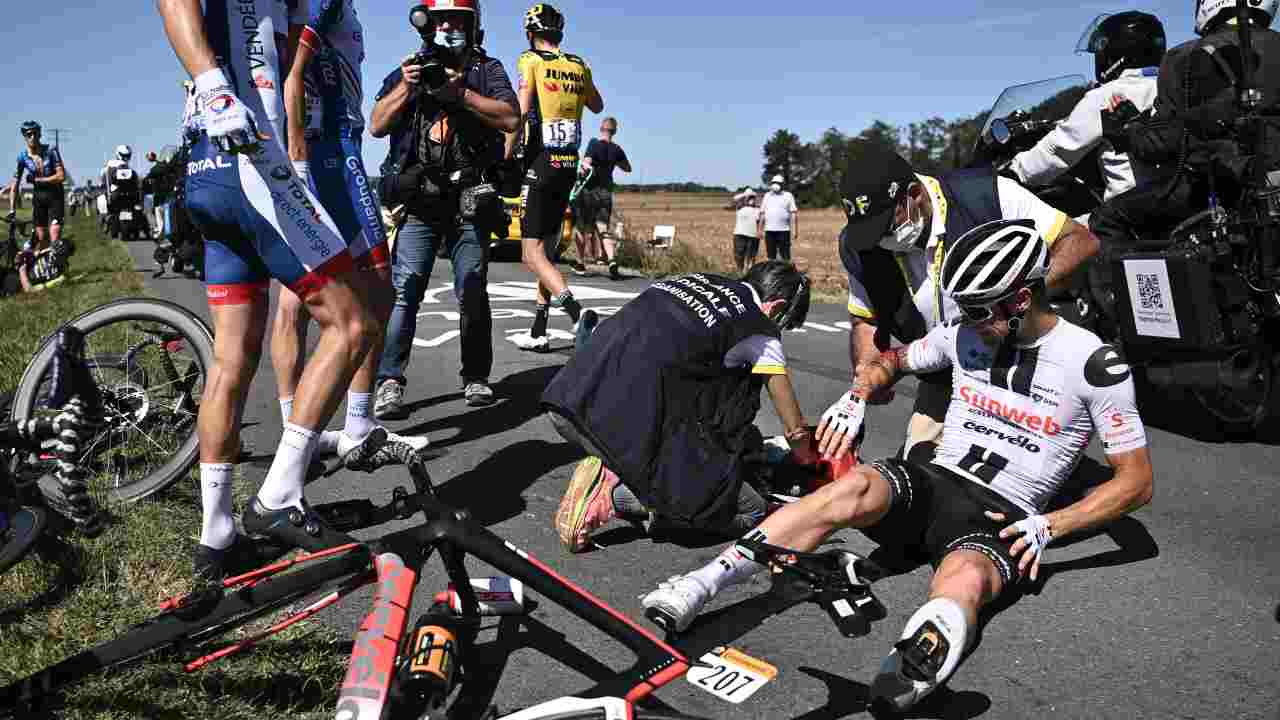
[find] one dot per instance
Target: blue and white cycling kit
(259, 219)
(41, 165)
(334, 126)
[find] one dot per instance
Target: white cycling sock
(327, 443)
(359, 422)
(283, 486)
(286, 409)
(217, 526)
(732, 566)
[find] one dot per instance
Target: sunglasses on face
(30, 133)
(981, 314)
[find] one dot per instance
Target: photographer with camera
(446, 109)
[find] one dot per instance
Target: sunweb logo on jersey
(1009, 413)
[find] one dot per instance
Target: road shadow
(849, 697)
(492, 491)
(519, 400)
(489, 659)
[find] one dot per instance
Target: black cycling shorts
(545, 195)
(934, 512)
(48, 208)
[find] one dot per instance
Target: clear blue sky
(696, 85)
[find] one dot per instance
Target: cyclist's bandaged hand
(841, 423)
(228, 121)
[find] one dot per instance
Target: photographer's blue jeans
(413, 259)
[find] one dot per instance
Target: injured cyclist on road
(1030, 391)
(662, 398)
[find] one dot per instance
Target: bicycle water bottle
(431, 658)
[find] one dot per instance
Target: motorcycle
(126, 218)
(1195, 308)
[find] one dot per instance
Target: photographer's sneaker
(389, 403)
(478, 393)
(676, 602)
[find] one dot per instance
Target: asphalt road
(1170, 614)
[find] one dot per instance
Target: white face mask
(902, 239)
(775, 187)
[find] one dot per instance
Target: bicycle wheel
(26, 524)
(150, 359)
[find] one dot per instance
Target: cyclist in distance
(43, 165)
(1031, 389)
(260, 221)
(554, 88)
(323, 93)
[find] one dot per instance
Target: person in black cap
(892, 249)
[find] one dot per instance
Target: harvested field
(704, 224)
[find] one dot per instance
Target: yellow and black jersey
(561, 86)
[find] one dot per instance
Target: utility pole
(57, 133)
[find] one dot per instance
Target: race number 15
(730, 675)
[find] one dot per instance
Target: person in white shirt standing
(780, 213)
(1127, 49)
(746, 231)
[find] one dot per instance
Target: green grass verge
(74, 593)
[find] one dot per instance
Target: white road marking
(823, 328)
(513, 290)
(438, 340)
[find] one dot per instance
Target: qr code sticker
(1149, 293)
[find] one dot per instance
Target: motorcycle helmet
(1211, 13)
(993, 261)
(30, 127)
(123, 153)
(420, 18)
(544, 19)
(1123, 40)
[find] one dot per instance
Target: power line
(57, 135)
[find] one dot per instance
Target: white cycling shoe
(676, 602)
(344, 444)
(524, 341)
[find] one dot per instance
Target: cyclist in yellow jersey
(555, 86)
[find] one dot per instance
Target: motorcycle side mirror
(1000, 131)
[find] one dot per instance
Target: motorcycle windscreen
(1050, 99)
(1090, 40)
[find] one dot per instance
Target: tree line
(812, 170)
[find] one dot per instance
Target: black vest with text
(650, 390)
(972, 200)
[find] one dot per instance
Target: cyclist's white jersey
(250, 40)
(335, 90)
(1021, 417)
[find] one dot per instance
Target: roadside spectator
(601, 157)
(746, 231)
(780, 213)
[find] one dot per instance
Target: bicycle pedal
(346, 515)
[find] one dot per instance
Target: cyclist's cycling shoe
(586, 325)
(541, 343)
(341, 444)
(210, 567)
(909, 672)
(587, 504)
(676, 602)
(292, 527)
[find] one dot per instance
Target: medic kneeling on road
(662, 397)
(1030, 391)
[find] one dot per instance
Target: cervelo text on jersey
(1021, 417)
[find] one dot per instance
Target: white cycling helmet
(994, 260)
(1208, 12)
(124, 152)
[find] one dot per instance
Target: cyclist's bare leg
(376, 286)
(288, 338)
(968, 578)
(533, 253)
(55, 234)
(237, 347)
